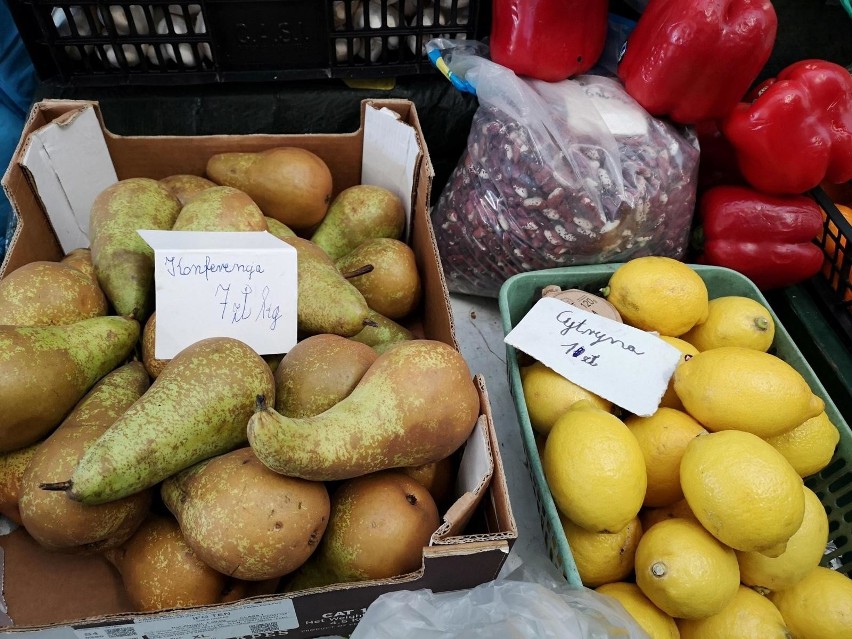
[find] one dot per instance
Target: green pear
(185, 187)
(159, 570)
(53, 520)
(49, 294)
(243, 519)
(291, 184)
(45, 370)
(416, 404)
(123, 261)
(381, 333)
(392, 286)
(327, 303)
(378, 527)
(358, 214)
(221, 208)
(279, 229)
(318, 372)
(197, 408)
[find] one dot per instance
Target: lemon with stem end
(684, 570)
(733, 320)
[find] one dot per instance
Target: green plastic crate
(833, 485)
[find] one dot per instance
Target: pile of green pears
(244, 474)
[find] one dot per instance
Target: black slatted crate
(92, 42)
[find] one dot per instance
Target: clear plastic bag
(528, 604)
(558, 174)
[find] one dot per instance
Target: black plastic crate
(833, 286)
(91, 42)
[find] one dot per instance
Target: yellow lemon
(678, 510)
(819, 606)
(748, 616)
(663, 438)
(733, 321)
(740, 388)
(742, 490)
(594, 468)
(548, 395)
(804, 552)
(651, 619)
(658, 294)
(602, 558)
(670, 398)
(810, 446)
(684, 570)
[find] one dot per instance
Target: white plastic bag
(528, 604)
(558, 174)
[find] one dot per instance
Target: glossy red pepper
(694, 60)
(767, 238)
(718, 161)
(798, 130)
(548, 39)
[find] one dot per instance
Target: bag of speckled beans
(560, 174)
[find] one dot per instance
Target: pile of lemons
(696, 518)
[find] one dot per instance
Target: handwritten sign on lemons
(629, 367)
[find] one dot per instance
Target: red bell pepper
(693, 60)
(798, 130)
(767, 238)
(548, 39)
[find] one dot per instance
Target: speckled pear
(359, 213)
(381, 333)
(197, 408)
(185, 187)
(244, 520)
(49, 294)
(416, 404)
(327, 302)
(124, 263)
(220, 208)
(59, 523)
(12, 468)
(318, 372)
(45, 370)
(81, 259)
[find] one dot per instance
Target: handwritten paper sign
(240, 285)
(629, 367)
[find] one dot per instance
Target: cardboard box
(58, 596)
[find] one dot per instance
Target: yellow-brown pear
(244, 520)
(185, 187)
(318, 372)
(160, 571)
(153, 365)
(379, 526)
(49, 294)
(81, 259)
(290, 184)
(12, 468)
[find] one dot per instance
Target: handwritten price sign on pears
(629, 367)
(240, 285)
